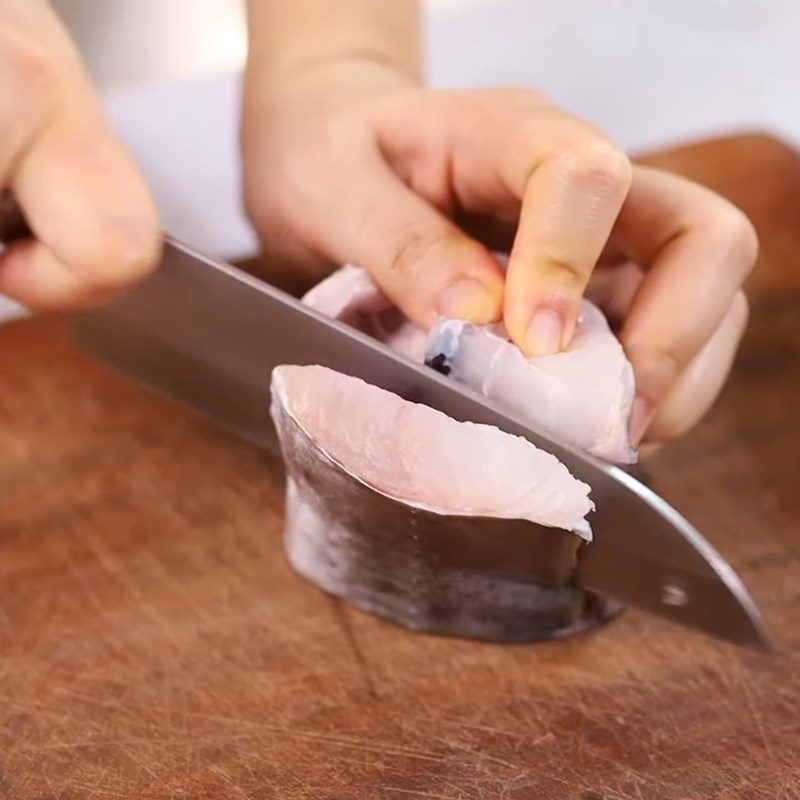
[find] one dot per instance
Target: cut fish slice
(582, 397)
(425, 521)
(423, 458)
(437, 525)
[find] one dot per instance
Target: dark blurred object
(12, 223)
(156, 644)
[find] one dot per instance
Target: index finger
(572, 191)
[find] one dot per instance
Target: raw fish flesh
(439, 525)
(422, 457)
(582, 397)
(402, 511)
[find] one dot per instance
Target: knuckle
(596, 161)
(411, 244)
(259, 208)
(291, 197)
(34, 67)
(266, 201)
(278, 213)
(562, 272)
(657, 366)
(740, 310)
(737, 235)
(118, 257)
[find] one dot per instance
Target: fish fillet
(418, 455)
(425, 520)
(582, 396)
(426, 559)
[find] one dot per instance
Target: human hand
(95, 225)
(349, 161)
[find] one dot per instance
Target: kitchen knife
(208, 334)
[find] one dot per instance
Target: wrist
(287, 37)
(352, 67)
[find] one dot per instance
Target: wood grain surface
(155, 644)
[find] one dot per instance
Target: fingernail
(543, 337)
(470, 299)
(641, 414)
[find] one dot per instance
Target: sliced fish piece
(423, 458)
(438, 525)
(387, 506)
(582, 396)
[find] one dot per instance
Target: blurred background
(650, 73)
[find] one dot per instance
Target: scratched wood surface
(154, 643)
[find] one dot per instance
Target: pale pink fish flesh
(582, 397)
(424, 458)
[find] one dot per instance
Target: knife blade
(207, 334)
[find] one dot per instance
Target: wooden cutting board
(155, 644)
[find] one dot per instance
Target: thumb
(422, 261)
